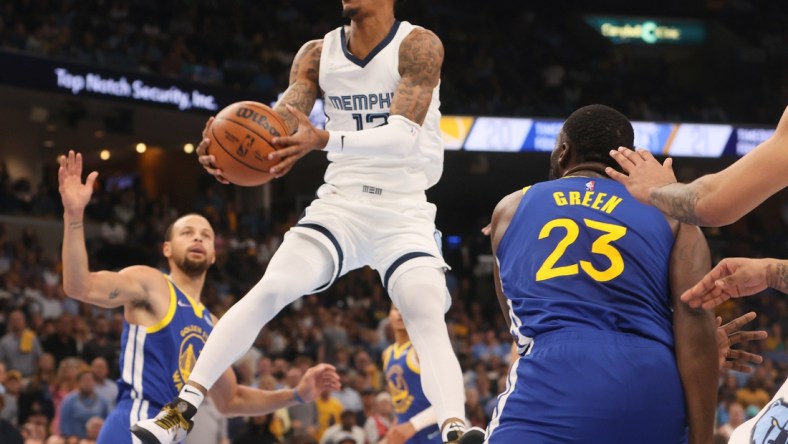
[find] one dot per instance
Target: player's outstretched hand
(291, 148)
(729, 335)
(73, 192)
(731, 278)
(317, 379)
(206, 160)
(644, 173)
(400, 433)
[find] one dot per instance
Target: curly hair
(594, 130)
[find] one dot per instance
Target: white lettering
(66, 80)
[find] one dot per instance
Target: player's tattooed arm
(679, 201)
(777, 276)
(304, 88)
(420, 60)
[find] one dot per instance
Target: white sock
(420, 294)
(299, 266)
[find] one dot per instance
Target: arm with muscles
(695, 334)
(400, 433)
(104, 289)
(232, 399)
(736, 278)
(715, 199)
(502, 216)
(420, 60)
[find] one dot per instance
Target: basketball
(241, 138)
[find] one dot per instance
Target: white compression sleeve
(420, 294)
(424, 419)
(393, 139)
(299, 266)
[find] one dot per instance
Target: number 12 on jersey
(602, 246)
(380, 118)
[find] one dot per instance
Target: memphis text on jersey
(355, 102)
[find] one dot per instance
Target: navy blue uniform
(403, 377)
(155, 362)
(585, 269)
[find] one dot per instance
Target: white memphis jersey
(358, 95)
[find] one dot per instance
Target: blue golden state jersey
(582, 253)
(156, 361)
(403, 377)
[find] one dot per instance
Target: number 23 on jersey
(602, 246)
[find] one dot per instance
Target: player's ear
(564, 155)
(166, 249)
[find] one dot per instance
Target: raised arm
(715, 199)
(695, 334)
(420, 61)
(105, 289)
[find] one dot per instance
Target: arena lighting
(188, 148)
(105, 155)
(141, 148)
(49, 143)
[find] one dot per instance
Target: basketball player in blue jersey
(380, 80)
(416, 421)
(589, 280)
(165, 325)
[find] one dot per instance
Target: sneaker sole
(144, 435)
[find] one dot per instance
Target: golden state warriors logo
(193, 340)
(772, 427)
(398, 387)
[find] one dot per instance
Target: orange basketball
(241, 136)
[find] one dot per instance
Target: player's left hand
(644, 172)
(317, 379)
(732, 278)
(291, 148)
(730, 334)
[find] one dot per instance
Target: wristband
(297, 397)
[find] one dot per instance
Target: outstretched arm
(695, 334)
(232, 399)
(736, 278)
(104, 288)
(420, 61)
(715, 199)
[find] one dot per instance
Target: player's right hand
(206, 160)
(73, 192)
(729, 335)
(731, 278)
(644, 173)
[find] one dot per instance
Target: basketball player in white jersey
(164, 327)
(380, 80)
(716, 200)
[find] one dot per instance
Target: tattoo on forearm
(680, 205)
(779, 277)
(303, 89)
(114, 294)
(75, 225)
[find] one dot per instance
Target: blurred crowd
(58, 357)
(534, 60)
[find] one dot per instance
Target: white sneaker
(452, 432)
(168, 427)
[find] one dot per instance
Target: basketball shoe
(169, 426)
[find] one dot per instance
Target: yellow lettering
(598, 200)
(587, 198)
(574, 198)
(560, 199)
(611, 204)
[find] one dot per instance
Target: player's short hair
(594, 130)
(168, 231)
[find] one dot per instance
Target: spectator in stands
(93, 427)
(377, 425)
(101, 345)
(82, 405)
(329, 410)
(303, 417)
(62, 344)
(735, 418)
(348, 396)
(105, 388)
(257, 431)
(337, 433)
(13, 388)
(19, 348)
(8, 433)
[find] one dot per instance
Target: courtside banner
(51, 75)
(494, 134)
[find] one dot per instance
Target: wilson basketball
(241, 136)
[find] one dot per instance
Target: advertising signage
(648, 31)
(79, 80)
